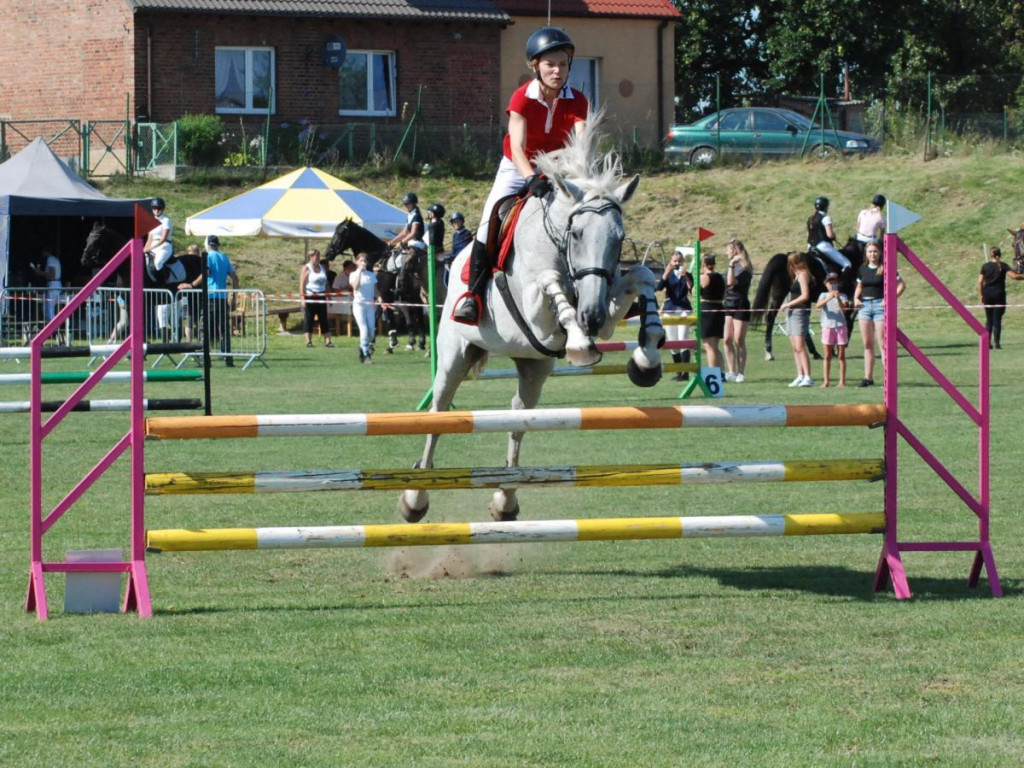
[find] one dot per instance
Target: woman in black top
(992, 290)
(676, 282)
(868, 297)
(737, 309)
(712, 319)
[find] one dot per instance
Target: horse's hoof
(643, 377)
(503, 516)
(769, 357)
(409, 514)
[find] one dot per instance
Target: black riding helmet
(457, 216)
(410, 199)
(438, 210)
(157, 202)
(878, 201)
(549, 39)
(821, 204)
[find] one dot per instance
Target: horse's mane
(579, 160)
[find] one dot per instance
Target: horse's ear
(566, 187)
(625, 192)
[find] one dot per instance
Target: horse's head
(591, 243)
(339, 241)
(587, 207)
(92, 254)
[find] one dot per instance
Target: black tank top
(872, 284)
(816, 230)
(715, 289)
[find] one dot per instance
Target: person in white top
(312, 290)
(364, 306)
(871, 221)
(51, 272)
(159, 247)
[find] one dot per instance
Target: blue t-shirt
(218, 268)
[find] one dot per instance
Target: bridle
(564, 243)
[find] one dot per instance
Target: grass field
(771, 652)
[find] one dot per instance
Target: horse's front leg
(644, 367)
(532, 375)
(455, 358)
(579, 348)
(769, 330)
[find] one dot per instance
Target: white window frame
(249, 109)
(391, 110)
(592, 67)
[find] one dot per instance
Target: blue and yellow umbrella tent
(306, 203)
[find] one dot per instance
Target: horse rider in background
(821, 235)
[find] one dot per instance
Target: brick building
(156, 60)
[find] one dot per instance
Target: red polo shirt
(546, 129)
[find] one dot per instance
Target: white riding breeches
(829, 251)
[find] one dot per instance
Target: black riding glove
(537, 185)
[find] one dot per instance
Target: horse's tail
(478, 367)
(770, 287)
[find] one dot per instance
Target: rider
(413, 229)
(435, 228)
(461, 237)
(159, 248)
(820, 234)
(541, 115)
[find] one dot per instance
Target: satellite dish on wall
(334, 51)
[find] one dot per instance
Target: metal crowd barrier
(103, 319)
(239, 333)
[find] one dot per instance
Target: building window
(583, 77)
(245, 80)
(367, 84)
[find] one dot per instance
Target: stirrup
(468, 310)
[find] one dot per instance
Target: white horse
(564, 285)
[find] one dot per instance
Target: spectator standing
(341, 286)
(435, 228)
(676, 284)
(51, 274)
(312, 294)
(364, 306)
(798, 311)
(868, 297)
(737, 309)
(712, 317)
(992, 292)
(219, 271)
(833, 304)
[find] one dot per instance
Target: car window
(734, 121)
(769, 121)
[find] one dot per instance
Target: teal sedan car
(759, 133)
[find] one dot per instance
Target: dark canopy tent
(46, 205)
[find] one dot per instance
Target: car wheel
(703, 156)
(823, 151)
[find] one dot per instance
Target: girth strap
(501, 283)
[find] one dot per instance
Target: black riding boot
(681, 357)
(470, 306)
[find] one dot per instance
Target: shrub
(199, 139)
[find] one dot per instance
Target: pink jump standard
(137, 591)
(890, 563)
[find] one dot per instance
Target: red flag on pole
(704, 234)
(144, 221)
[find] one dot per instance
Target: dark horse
(773, 288)
(399, 280)
(104, 241)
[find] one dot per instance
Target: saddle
(501, 229)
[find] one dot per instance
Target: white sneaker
(806, 382)
(798, 381)
(740, 378)
(730, 376)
